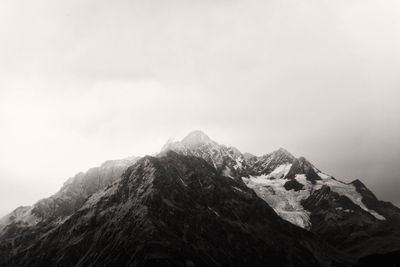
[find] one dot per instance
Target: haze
(86, 81)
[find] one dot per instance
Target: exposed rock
(293, 184)
(303, 166)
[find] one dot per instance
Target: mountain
(174, 210)
(347, 215)
(69, 198)
(200, 203)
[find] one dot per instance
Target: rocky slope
(69, 198)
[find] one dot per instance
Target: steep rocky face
(343, 224)
(70, 198)
(266, 164)
(227, 160)
(387, 209)
(173, 210)
(21, 215)
(303, 166)
(293, 185)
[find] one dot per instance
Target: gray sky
(83, 81)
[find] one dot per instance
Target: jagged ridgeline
(200, 203)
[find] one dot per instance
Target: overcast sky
(83, 81)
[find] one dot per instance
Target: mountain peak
(196, 138)
(284, 152)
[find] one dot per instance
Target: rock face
(348, 227)
(293, 184)
(268, 163)
(303, 166)
(387, 209)
(199, 203)
(227, 160)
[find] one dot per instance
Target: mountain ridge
(74, 193)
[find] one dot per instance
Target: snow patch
(280, 172)
(323, 175)
(215, 212)
(183, 182)
(238, 189)
(287, 204)
(239, 163)
(227, 173)
(347, 190)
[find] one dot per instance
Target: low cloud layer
(86, 81)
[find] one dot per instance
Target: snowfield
(287, 203)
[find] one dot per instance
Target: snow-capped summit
(303, 166)
(197, 138)
(228, 160)
(193, 141)
(269, 162)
